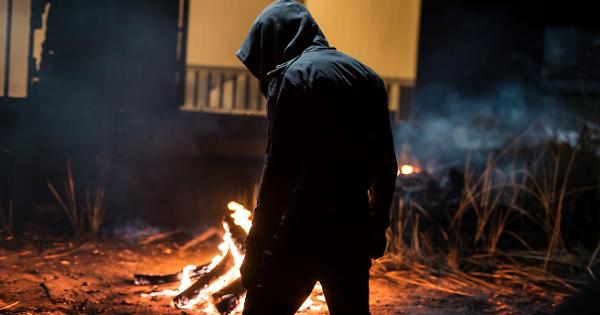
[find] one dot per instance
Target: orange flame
(241, 217)
(407, 169)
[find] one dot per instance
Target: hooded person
(329, 170)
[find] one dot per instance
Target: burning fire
(240, 217)
(407, 169)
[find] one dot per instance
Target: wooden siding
(217, 28)
(382, 33)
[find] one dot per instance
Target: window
(15, 30)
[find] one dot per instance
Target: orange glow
(202, 301)
(407, 169)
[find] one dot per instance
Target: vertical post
(208, 86)
(401, 109)
(221, 89)
(31, 70)
(234, 90)
(182, 25)
(247, 91)
(7, 48)
(3, 43)
(196, 89)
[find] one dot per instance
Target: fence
(235, 91)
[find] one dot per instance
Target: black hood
(280, 33)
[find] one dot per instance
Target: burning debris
(407, 169)
(408, 163)
(216, 288)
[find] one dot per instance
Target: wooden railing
(222, 90)
(235, 91)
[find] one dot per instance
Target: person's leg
(282, 294)
(346, 288)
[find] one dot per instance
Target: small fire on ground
(407, 169)
(215, 288)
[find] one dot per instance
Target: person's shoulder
(327, 67)
(313, 66)
(363, 68)
(298, 71)
(330, 61)
(368, 73)
(321, 60)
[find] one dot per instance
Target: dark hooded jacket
(329, 136)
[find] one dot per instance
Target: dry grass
(507, 231)
(95, 206)
(69, 203)
(83, 218)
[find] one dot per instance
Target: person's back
(329, 143)
(339, 119)
(342, 103)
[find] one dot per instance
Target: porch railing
(235, 91)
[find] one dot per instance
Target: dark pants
(345, 285)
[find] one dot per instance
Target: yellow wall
(217, 29)
(18, 75)
(381, 33)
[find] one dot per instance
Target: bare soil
(95, 277)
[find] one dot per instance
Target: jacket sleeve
(279, 163)
(384, 166)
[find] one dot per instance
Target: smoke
(455, 124)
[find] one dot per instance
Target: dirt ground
(54, 277)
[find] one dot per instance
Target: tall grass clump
(84, 217)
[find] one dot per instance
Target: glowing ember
(407, 169)
(241, 217)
